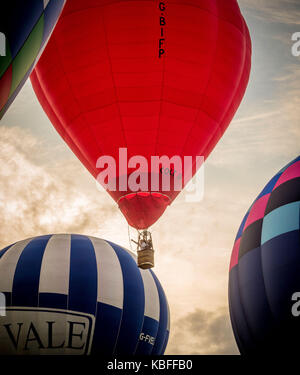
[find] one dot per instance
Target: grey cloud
(203, 332)
(280, 11)
(35, 200)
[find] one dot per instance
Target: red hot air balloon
(158, 78)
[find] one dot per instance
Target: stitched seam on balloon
(78, 104)
(196, 63)
(161, 101)
(60, 129)
(122, 309)
(139, 199)
(241, 77)
(191, 5)
(123, 196)
(154, 101)
(221, 122)
(207, 85)
(262, 269)
(113, 80)
(184, 91)
(242, 307)
(240, 343)
(64, 129)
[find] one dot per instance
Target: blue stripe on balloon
(3, 251)
(149, 330)
(51, 13)
(22, 17)
(240, 326)
(163, 319)
(134, 303)
(270, 185)
(281, 220)
(253, 295)
(83, 275)
(27, 274)
(288, 165)
(53, 300)
(234, 326)
(108, 320)
(241, 228)
(281, 266)
(166, 342)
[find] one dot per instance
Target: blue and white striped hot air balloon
(75, 294)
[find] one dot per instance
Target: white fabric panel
(55, 268)
(9, 263)
(152, 306)
(110, 277)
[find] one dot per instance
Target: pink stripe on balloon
(235, 254)
(258, 210)
(291, 172)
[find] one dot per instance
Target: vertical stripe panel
(23, 17)
(55, 272)
(110, 278)
(151, 314)
(51, 16)
(151, 295)
(55, 269)
(163, 319)
(8, 264)
(3, 251)
(149, 333)
(108, 321)
(134, 304)
(110, 298)
(164, 347)
(241, 329)
(27, 273)
(83, 275)
(253, 295)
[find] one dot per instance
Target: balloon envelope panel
(109, 88)
(73, 294)
(265, 268)
(27, 26)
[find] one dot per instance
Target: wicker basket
(145, 258)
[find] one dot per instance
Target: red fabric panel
(5, 85)
(103, 86)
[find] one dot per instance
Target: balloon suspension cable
(145, 251)
(129, 238)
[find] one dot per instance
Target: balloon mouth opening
(144, 194)
(142, 209)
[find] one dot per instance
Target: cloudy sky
(45, 189)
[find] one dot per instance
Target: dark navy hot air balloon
(264, 278)
(73, 294)
(25, 28)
